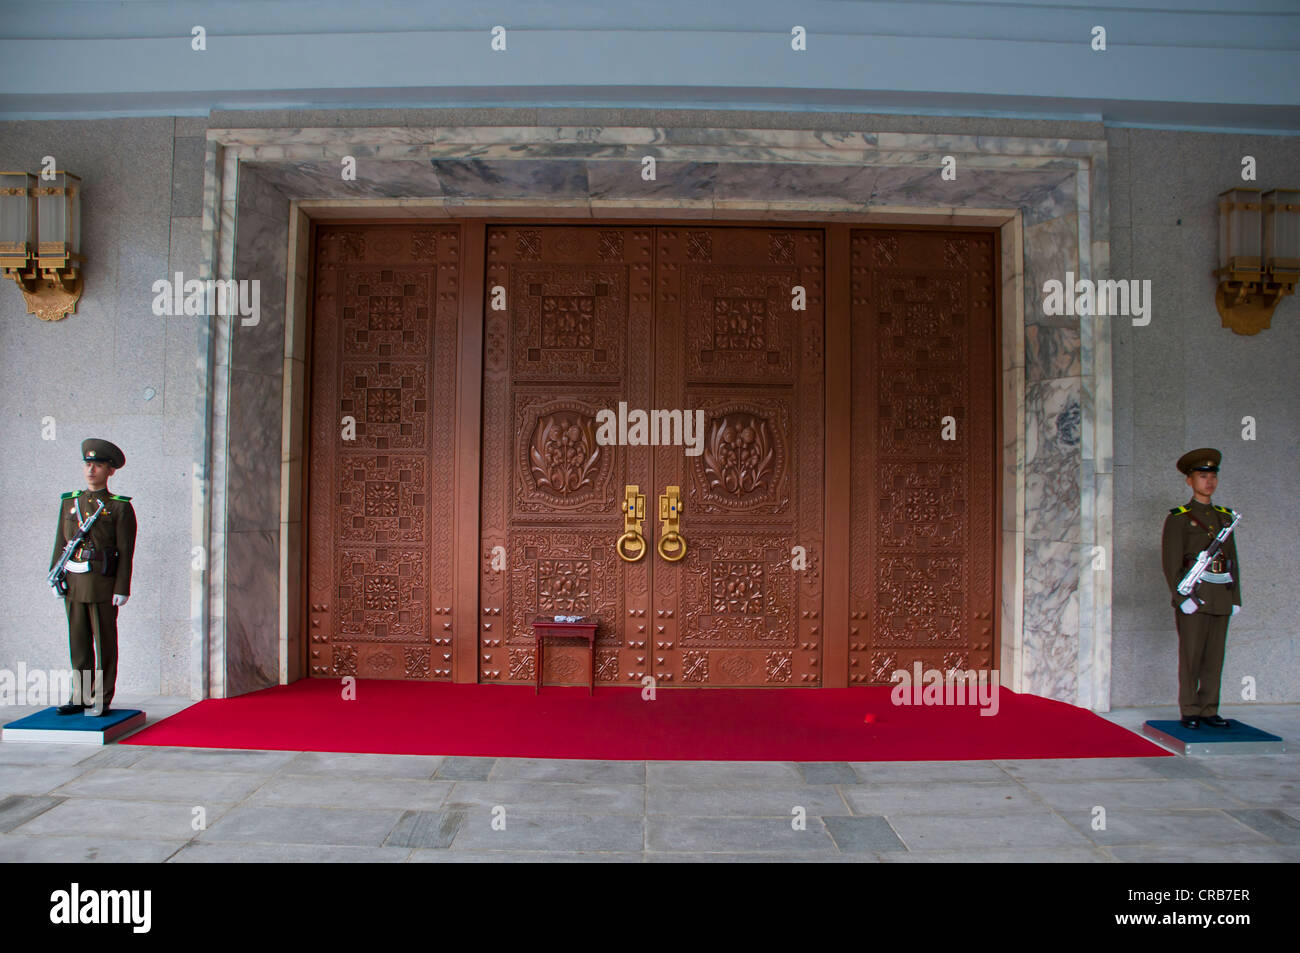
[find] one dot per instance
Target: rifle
(58, 575)
(1193, 577)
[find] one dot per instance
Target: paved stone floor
(69, 803)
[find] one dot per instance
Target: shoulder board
(70, 495)
(1177, 509)
(124, 499)
(1223, 509)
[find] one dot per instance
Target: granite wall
(113, 370)
(116, 370)
(1183, 382)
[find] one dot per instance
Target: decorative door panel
(923, 533)
(380, 557)
(738, 336)
(567, 341)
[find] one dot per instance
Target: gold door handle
(633, 520)
(672, 545)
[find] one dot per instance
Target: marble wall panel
(525, 178)
(621, 179)
(1050, 658)
(1053, 430)
(1051, 249)
(253, 615)
(253, 477)
(1051, 352)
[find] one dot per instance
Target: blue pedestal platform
(1237, 738)
(51, 727)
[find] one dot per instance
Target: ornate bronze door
(589, 319)
(383, 386)
(567, 323)
(924, 488)
(738, 335)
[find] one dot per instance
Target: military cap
(1207, 458)
(101, 451)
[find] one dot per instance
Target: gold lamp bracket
(51, 293)
(1246, 299)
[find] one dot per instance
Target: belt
(1218, 566)
(70, 566)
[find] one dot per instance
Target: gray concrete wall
(113, 370)
(1185, 382)
(1181, 382)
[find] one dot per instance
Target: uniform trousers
(1201, 640)
(81, 643)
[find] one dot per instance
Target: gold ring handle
(673, 539)
(671, 546)
(621, 549)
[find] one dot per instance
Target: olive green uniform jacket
(1188, 530)
(113, 532)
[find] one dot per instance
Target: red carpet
(705, 724)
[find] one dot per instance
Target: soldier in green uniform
(98, 574)
(1203, 626)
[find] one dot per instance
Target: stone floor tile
(827, 772)
(18, 809)
(190, 787)
(23, 752)
(239, 853)
(1274, 767)
(977, 797)
(862, 835)
(420, 856)
(767, 801)
(114, 818)
(298, 825)
(426, 829)
(1000, 855)
(1039, 829)
(553, 832)
(1089, 769)
(1206, 854)
(18, 848)
(466, 769)
(346, 764)
(352, 792)
(115, 756)
(757, 857)
(725, 773)
(1153, 795)
(1276, 825)
(1279, 793)
(533, 797)
(226, 760)
(36, 778)
(914, 772)
(560, 769)
(736, 835)
(1205, 827)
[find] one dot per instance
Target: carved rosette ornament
(563, 453)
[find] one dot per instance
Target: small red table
(550, 629)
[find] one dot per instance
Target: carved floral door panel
(673, 319)
(923, 525)
(383, 385)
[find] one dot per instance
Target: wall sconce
(1259, 255)
(40, 240)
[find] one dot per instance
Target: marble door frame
(1048, 198)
